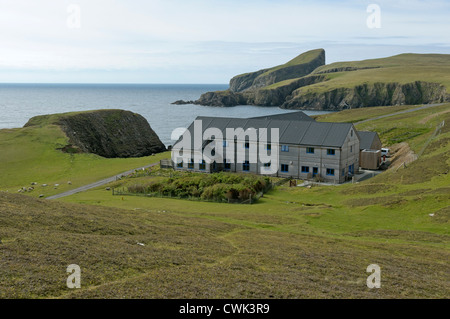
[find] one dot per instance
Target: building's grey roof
(309, 133)
(366, 139)
(291, 116)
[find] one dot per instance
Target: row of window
(285, 148)
(315, 170)
(246, 167)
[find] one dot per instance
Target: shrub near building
(217, 186)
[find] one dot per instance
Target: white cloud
(168, 37)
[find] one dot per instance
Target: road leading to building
(98, 184)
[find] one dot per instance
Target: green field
(402, 68)
(29, 155)
(294, 243)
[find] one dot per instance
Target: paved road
(401, 112)
(97, 184)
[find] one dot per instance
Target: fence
(436, 132)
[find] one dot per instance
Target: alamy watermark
(374, 280)
(374, 19)
(211, 146)
(74, 16)
(74, 279)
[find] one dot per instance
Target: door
(315, 171)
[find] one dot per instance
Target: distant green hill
(307, 83)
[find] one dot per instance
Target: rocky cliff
(366, 95)
(255, 88)
(108, 133)
(307, 83)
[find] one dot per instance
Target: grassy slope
(29, 155)
(303, 58)
(403, 68)
(295, 243)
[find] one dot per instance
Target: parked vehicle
(385, 152)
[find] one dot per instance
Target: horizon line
(112, 83)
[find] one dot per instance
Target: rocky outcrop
(301, 66)
(255, 88)
(221, 98)
(366, 95)
(108, 133)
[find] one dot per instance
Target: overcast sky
(203, 41)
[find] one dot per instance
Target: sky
(203, 41)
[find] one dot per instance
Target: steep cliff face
(108, 133)
(243, 82)
(298, 67)
(268, 96)
(366, 95)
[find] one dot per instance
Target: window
(310, 150)
(305, 169)
(225, 143)
(268, 147)
(246, 145)
(180, 162)
(351, 148)
(267, 165)
(226, 165)
(285, 148)
(284, 168)
(330, 172)
(191, 164)
(246, 166)
(331, 151)
(351, 133)
(202, 165)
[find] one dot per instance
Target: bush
(217, 186)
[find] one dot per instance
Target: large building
(306, 148)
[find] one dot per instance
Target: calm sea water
(20, 102)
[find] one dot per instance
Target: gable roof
(310, 133)
(292, 116)
(366, 139)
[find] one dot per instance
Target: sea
(20, 102)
